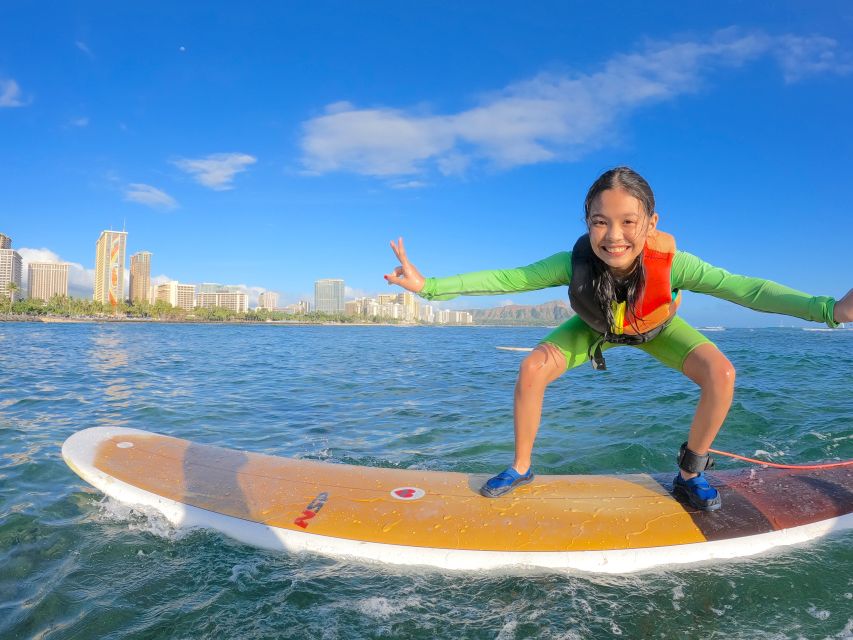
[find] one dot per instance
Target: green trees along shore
(82, 309)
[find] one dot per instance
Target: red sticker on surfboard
(408, 493)
(311, 510)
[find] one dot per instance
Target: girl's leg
(715, 375)
(565, 347)
(537, 371)
(683, 348)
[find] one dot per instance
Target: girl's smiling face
(618, 228)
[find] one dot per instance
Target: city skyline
(298, 171)
(48, 279)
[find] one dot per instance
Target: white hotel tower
(329, 296)
(47, 279)
(268, 300)
(10, 268)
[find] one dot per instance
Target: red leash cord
(783, 466)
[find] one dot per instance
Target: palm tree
(11, 287)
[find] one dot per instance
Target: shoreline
(288, 323)
(5, 318)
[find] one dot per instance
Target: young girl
(625, 279)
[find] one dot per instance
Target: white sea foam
(244, 572)
(142, 519)
(762, 452)
(819, 614)
(677, 594)
(847, 632)
(379, 607)
(508, 630)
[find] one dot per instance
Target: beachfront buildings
(448, 316)
(140, 277)
(300, 308)
(329, 296)
(268, 300)
(211, 294)
(10, 270)
(404, 307)
(177, 294)
(109, 267)
(47, 279)
(231, 300)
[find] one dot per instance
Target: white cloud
(409, 184)
(80, 122)
(149, 196)
(379, 142)
(216, 171)
(10, 94)
(81, 281)
(351, 294)
(801, 57)
(547, 117)
(84, 48)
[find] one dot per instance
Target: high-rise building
(47, 279)
(140, 276)
(10, 269)
(109, 267)
(268, 300)
(411, 306)
(177, 294)
(329, 296)
(232, 300)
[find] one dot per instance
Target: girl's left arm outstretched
(692, 274)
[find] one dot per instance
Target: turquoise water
(75, 565)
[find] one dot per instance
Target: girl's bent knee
(725, 373)
(721, 374)
(542, 366)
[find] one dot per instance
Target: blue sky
(269, 146)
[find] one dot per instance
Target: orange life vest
(655, 306)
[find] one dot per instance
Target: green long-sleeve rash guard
(688, 273)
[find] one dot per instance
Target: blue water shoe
(698, 492)
(504, 482)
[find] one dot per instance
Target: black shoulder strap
(581, 294)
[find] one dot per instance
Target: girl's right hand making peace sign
(406, 275)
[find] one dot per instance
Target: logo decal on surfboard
(408, 493)
(311, 510)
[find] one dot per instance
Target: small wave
(818, 614)
(379, 607)
(140, 519)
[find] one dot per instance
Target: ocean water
(76, 565)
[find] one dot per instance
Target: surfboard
(601, 523)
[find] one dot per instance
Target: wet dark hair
(607, 287)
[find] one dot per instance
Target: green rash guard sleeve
(553, 271)
(691, 273)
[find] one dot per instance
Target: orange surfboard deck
(388, 514)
